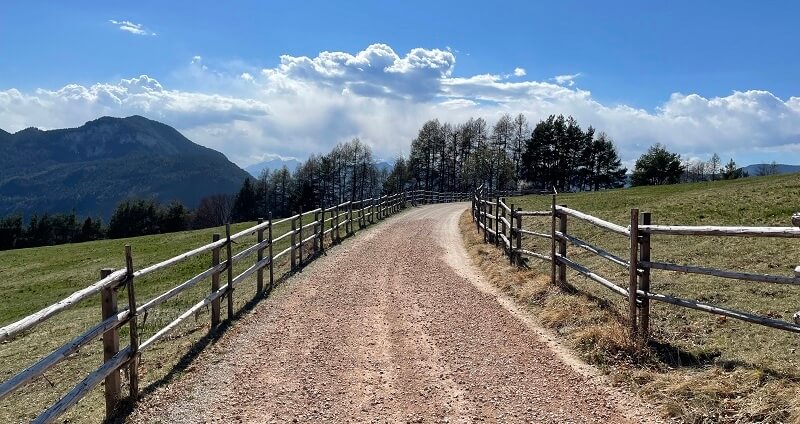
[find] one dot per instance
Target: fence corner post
(215, 282)
(632, 273)
(108, 306)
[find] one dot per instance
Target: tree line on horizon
(556, 154)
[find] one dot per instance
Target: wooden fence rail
(509, 234)
(303, 235)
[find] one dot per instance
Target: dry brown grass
(704, 392)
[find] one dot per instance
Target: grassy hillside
(726, 365)
(34, 278)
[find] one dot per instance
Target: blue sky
(700, 77)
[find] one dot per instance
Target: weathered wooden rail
(501, 224)
(337, 222)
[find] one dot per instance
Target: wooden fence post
(229, 269)
(215, 282)
(133, 368)
(484, 206)
(108, 307)
(504, 229)
(553, 261)
(644, 279)
(518, 256)
(632, 277)
(315, 231)
(321, 229)
(269, 251)
(300, 237)
(335, 226)
(497, 221)
(350, 230)
(562, 249)
(260, 272)
(293, 241)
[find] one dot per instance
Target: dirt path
(392, 326)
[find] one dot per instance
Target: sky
(258, 80)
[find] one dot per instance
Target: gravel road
(394, 325)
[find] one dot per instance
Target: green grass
(31, 279)
(698, 343)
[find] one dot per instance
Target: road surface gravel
(394, 325)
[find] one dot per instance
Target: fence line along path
(310, 230)
(502, 225)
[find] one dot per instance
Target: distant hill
(752, 170)
(92, 167)
(273, 164)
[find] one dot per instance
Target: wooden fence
(501, 224)
(309, 230)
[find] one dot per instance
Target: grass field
(31, 279)
(701, 368)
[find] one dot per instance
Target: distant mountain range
(292, 164)
(272, 164)
(92, 167)
(752, 170)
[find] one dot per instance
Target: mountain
(384, 166)
(752, 170)
(92, 167)
(273, 164)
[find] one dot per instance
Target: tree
(765, 169)
(134, 217)
(605, 166)
(713, 166)
(245, 207)
(10, 232)
(91, 229)
(732, 172)
(213, 211)
(174, 217)
(656, 167)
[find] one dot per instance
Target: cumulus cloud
(306, 105)
(568, 80)
(128, 26)
(520, 72)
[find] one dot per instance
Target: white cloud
(568, 80)
(308, 104)
(519, 72)
(128, 26)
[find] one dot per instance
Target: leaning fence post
(553, 261)
(133, 368)
(269, 235)
(215, 282)
(108, 308)
(644, 279)
(260, 272)
(632, 277)
(562, 249)
(229, 268)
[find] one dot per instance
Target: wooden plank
(112, 390)
(593, 249)
(535, 213)
(633, 278)
(586, 272)
(786, 232)
(133, 364)
(41, 366)
(644, 279)
(31, 321)
(610, 226)
(532, 233)
(717, 310)
(84, 387)
(215, 309)
(735, 275)
(533, 254)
